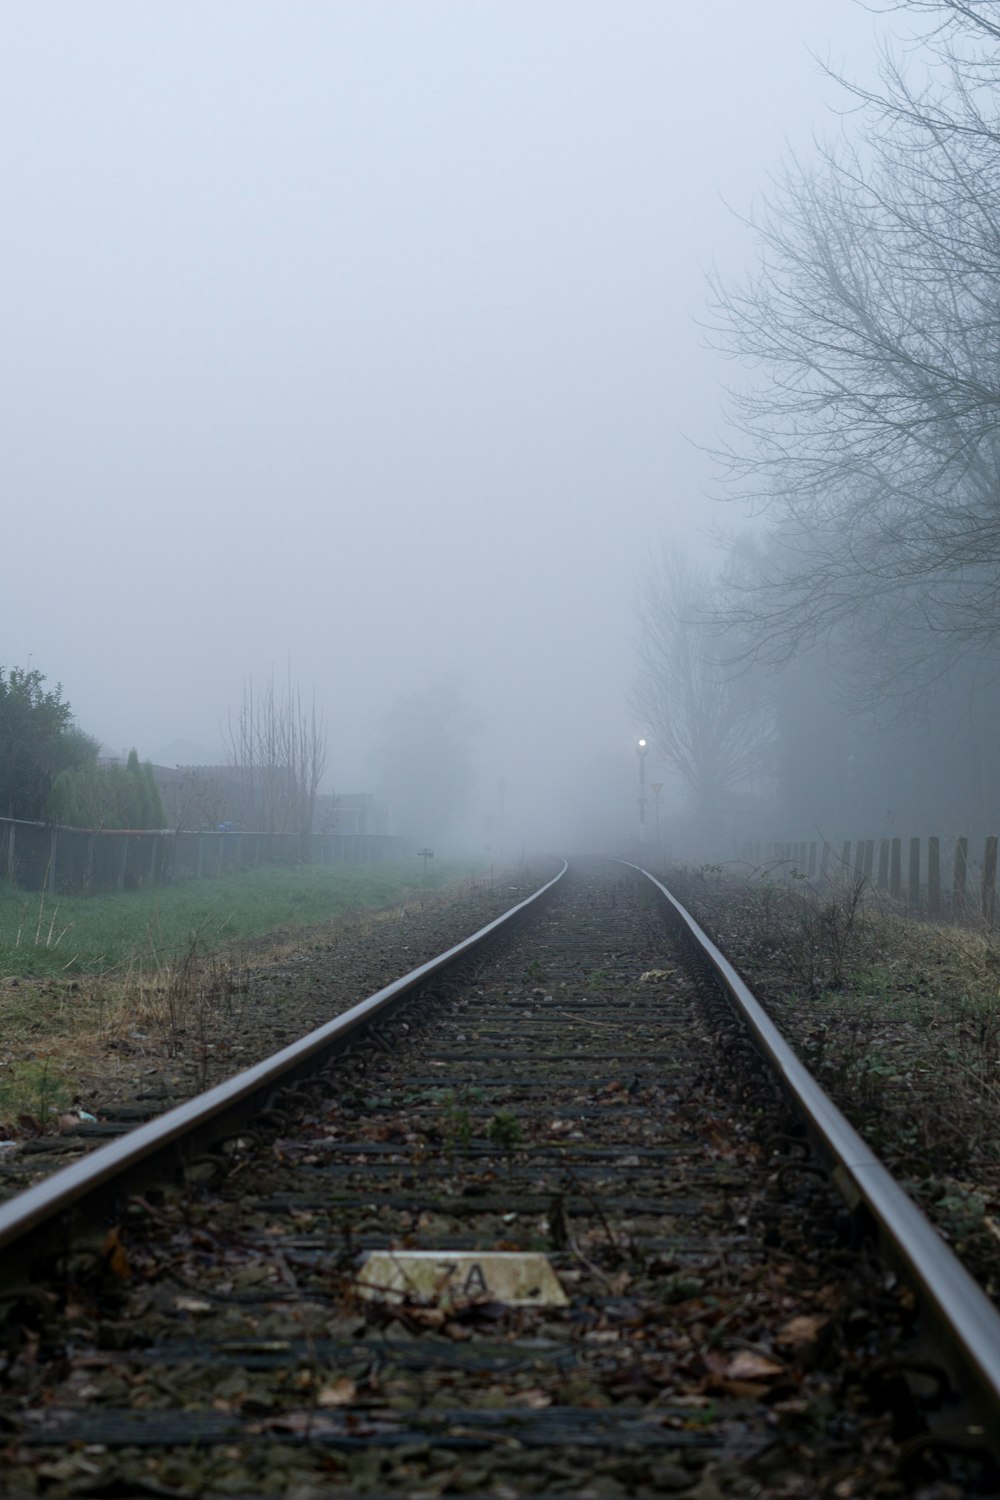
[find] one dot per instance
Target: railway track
(574, 1096)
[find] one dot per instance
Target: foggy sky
(363, 335)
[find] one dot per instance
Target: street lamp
(642, 750)
(656, 787)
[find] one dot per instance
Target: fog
(360, 341)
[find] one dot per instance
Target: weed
(534, 973)
(506, 1134)
(34, 1088)
(900, 1018)
(458, 1129)
(810, 934)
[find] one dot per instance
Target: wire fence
(65, 861)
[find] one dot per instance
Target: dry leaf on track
(749, 1366)
(801, 1331)
(340, 1393)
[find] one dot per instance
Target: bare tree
(277, 752)
(869, 427)
(713, 725)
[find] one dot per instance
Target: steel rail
(219, 1112)
(966, 1321)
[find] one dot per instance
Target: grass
(154, 974)
(45, 937)
(899, 1018)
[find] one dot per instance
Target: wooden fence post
(869, 859)
(812, 860)
(824, 860)
(914, 874)
(934, 877)
(845, 860)
(883, 865)
(959, 877)
(895, 874)
(989, 877)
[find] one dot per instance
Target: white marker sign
(519, 1279)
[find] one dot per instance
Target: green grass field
(44, 936)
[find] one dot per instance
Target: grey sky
(363, 333)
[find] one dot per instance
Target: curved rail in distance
(192, 1127)
(966, 1321)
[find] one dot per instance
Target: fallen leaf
(115, 1254)
(458, 1332)
(740, 1390)
(749, 1366)
(341, 1393)
(801, 1331)
(427, 1317)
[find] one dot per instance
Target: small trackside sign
(518, 1279)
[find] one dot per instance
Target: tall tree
(108, 796)
(713, 724)
(869, 426)
(37, 741)
(277, 752)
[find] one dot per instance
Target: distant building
(195, 797)
(198, 797)
(350, 812)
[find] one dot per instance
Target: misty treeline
(49, 766)
(849, 654)
(276, 755)
(51, 770)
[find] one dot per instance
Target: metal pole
(656, 787)
(641, 749)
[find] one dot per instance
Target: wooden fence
(932, 877)
(42, 856)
